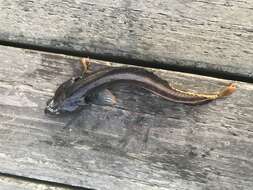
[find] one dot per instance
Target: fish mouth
(51, 108)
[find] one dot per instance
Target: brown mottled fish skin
(71, 95)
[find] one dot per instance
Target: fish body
(73, 94)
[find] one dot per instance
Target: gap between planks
(173, 66)
(15, 182)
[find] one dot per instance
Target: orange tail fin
(228, 90)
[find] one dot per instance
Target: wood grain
(143, 142)
(14, 183)
(214, 36)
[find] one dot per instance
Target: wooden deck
(143, 142)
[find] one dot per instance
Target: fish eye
(48, 102)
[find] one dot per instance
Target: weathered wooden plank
(208, 35)
(143, 142)
(14, 183)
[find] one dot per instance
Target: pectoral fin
(102, 97)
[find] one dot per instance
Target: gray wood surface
(214, 35)
(13, 183)
(143, 142)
